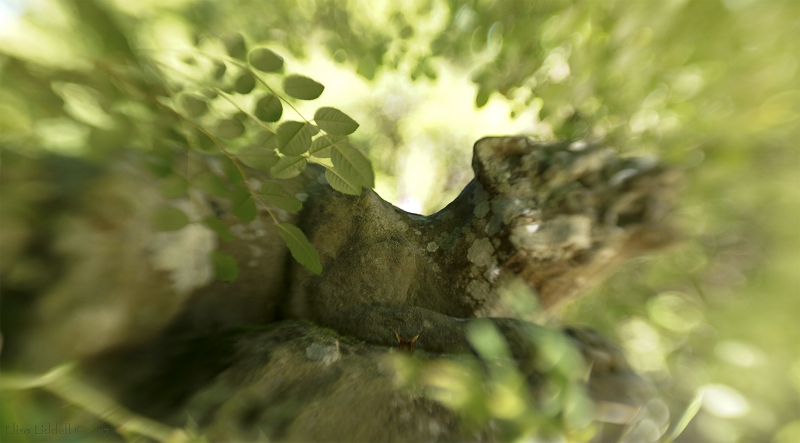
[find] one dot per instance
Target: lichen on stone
(481, 252)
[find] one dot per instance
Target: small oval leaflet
(275, 195)
(225, 266)
(245, 83)
(269, 108)
(209, 93)
(339, 183)
(302, 87)
(334, 121)
(242, 204)
(219, 69)
(170, 219)
(294, 138)
(321, 146)
(258, 157)
(211, 184)
(229, 128)
(193, 104)
(174, 186)
(265, 60)
(235, 45)
(219, 227)
(288, 167)
(301, 249)
(352, 166)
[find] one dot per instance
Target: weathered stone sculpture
(557, 216)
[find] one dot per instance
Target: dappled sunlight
(709, 87)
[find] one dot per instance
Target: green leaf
(174, 186)
(203, 143)
(235, 45)
(321, 147)
(334, 121)
(219, 227)
(269, 108)
(258, 157)
(338, 182)
(294, 138)
(482, 97)
(230, 169)
(688, 415)
(225, 266)
(352, 166)
(242, 204)
(211, 184)
(194, 105)
(245, 83)
(302, 87)
(288, 167)
(487, 340)
(219, 69)
(209, 93)
(275, 195)
(169, 219)
(229, 128)
(301, 249)
(265, 60)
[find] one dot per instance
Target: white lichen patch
(492, 273)
(479, 289)
(401, 226)
(249, 231)
(433, 246)
(481, 209)
(481, 252)
(185, 254)
(255, 250)
(554, 237)
(480, 194)
(324, 355)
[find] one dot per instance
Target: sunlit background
(710, 86)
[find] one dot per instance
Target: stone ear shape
(490, 157)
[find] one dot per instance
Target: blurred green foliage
(711, 86)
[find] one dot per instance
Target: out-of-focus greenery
(711, 86)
